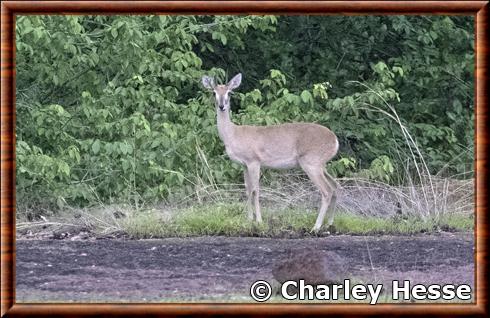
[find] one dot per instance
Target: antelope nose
(221, 107)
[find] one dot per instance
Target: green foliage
(110, 108)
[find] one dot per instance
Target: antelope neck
(226, 127)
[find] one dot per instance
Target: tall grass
(289, 210)
(424, 194)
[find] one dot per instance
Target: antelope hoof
(315, 229)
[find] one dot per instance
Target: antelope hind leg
(315, 173)
(333, 201)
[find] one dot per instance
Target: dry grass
(290, 203)
(357, 196)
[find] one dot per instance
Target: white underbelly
(276, 161)
(280, 163)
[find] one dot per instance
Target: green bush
(110, 108)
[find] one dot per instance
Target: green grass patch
(229, 219)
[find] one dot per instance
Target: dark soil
(221, 268)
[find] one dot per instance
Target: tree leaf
(96, 146)
(306, 96)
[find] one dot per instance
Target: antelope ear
(235, 81)
(208, 82)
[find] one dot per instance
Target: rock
(315, 267)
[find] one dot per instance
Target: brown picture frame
(9, 9)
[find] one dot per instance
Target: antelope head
(222, 92)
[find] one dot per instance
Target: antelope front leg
(253, 179)
(248, 188)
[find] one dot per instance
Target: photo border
(9, 9)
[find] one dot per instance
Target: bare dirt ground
(221, 268)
